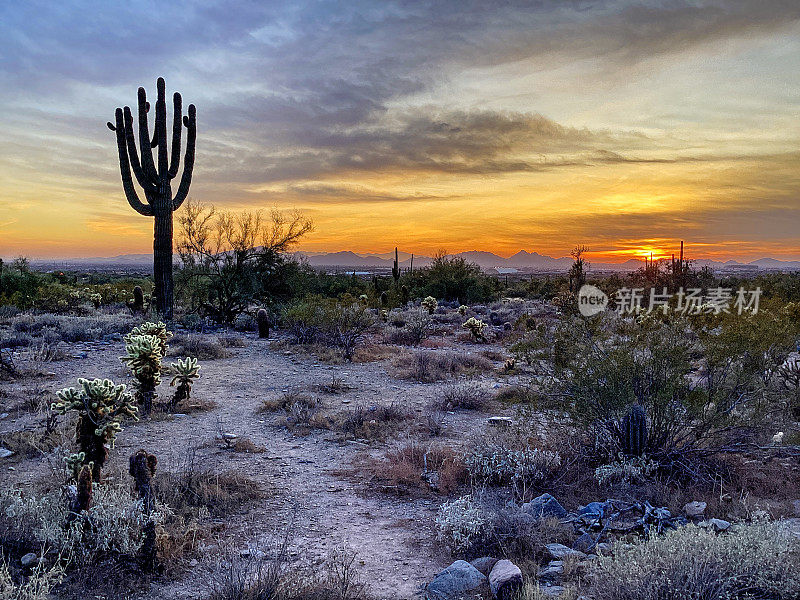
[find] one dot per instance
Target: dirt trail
(391, 536)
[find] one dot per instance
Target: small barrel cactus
(430, 304)
(384, 299)
(476, 327)
(262, 318)
(185, 372)
(136, 304)
(634, 431)
(100, 405)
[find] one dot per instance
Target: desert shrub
(759, 560)
(427, 366)
(231, 341)
(265, 574)
(697, 389)
(465, 394)
(114, 522)
(417, 325)
(16, 340)
(488, 524)
(339, 323)
(510, 459)
(452, 278)
(198, 346)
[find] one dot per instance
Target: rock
(505, 580)
(454, 580)
(194, 562)
(484, 564)
(501, 421)
(695, 509)
(584, 543)
(3, 416)
(592, 511)
(5, 453)
(559, 551)
(715, 524)
(29, 560)
(543, 507)
(552, 572)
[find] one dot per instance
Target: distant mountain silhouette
(522, 260)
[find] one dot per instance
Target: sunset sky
(625, 126)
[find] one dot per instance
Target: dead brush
(466, 394)
(371, 423)
(198, 346)
(427, 366)
(195, 488)
(336, 385)
(417, 467)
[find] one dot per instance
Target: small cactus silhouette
(634, 431)
(136, 305)
(262, 318)
(396, 268)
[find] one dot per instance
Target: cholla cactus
(476, 327)
(158, 330)
(462, 310)
(96, 300)
(100, 405)
(74, 463)
(430, 303)
(185, 372)
(144, 353)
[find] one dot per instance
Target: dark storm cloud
(298, 90)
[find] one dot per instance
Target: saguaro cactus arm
(190, 121)
(124, 166)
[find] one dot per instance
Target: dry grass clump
(302, 409)
(336, 385)
(231, 341)
(195, 489)
(267, 575)
(371, 423)
(198, 346)
(427, 366)
(465, 394)
(759, 560)
(515, 394)
(417, 467)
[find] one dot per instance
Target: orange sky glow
(425, 128)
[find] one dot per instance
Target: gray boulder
(505, 580)
(456, 579)
(695, 509)
(543, 507)
(585, 543)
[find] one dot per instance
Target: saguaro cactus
(396, 268)
(154, 178)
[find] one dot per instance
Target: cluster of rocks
(503, 577)
(593, 524)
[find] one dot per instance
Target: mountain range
(522, 260)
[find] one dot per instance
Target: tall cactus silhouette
(155, 177)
